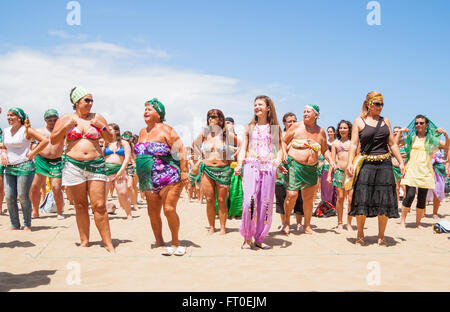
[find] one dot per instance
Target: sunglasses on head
(420, 123)
(379, 104)
(89, 101)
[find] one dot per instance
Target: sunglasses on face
(88, 101)
(378, 104)
(52, 120)
(420, 123)
(213, 117)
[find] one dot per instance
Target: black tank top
(380, 143)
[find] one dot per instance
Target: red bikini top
(93, 133)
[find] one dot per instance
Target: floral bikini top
(93, 133)
(304, 144)
(342, 147)
(152, 148)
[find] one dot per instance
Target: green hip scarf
(96, 166)
(338, 178)
(2, 170)
(195, 179)
(144, 169)
(221, 175)
(440, 169)
(25, 168)
(397, 173)
(300, 176)
(51, 168)
(112, 168)
(280, 178)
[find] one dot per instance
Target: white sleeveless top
(17, 146)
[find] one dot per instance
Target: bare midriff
(307, 154)
(51, 151)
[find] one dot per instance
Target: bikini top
(304, 144)
(152, 148)
(93, 133)
(341, 148)
(120, 152)
(208, 149)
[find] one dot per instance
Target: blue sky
(297, 52)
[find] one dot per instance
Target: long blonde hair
(365, 106)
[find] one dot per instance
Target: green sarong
(397, 173)
(235, 196)
(300, 176)
(338, 178)
(440, 169)
(95, 166)
(51, 168)
(195, 179)
(25, 168)
(144, 169)
(112, 168)
(2, 170)
(221, 175)
(280, 178)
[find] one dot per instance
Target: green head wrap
(314, 107)
(126, 136)
(20, 113)
(432, 139)
(78, 94)
(51, 113)
(159, 108)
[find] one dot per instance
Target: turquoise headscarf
(20, 113)
(159, 108)
(51, 113)
(432, 138)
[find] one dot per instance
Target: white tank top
(17, 146)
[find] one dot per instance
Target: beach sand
(48, 258)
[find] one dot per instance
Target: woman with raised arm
(262, 153)
(374, 189)
(303, 142)
(339, 154)
(84, 172)
(162, 169)
(213, 147)
(420, 143)
(19, 168)
(117, 156)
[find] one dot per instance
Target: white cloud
(36, 81)
(63, 35)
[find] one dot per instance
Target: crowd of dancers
(366, 163)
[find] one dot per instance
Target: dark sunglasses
(379, 104)
(88, 101)
(52, 120)
(213, 116)
(420, 123)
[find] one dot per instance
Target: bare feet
(35, 215)
(299, 227)
(418, 226)
(27, 229)
(285, 230)
(246, 245)
(211, 231)
(436, 217)
(360, 241)
(13, 229)
(402, 226)
(382, 242)
(223, 232)
(110, 249)
(60, 217)
(349, 228)
(84, 244)
(263, 246)
(308, 230)
(339, 228)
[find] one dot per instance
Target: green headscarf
(432, 139)
(78, 94)
(51, 113)
(159, 107)
(20, 113)
(314, 107)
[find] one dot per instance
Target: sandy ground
(48, 259)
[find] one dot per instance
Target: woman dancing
(339, 154)
(19, 171)
(420, 144)
(84, 172)
(117, 156)
(304, 141)
(262, 153)
(212, 146)
(162, 169)
(374, 190)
